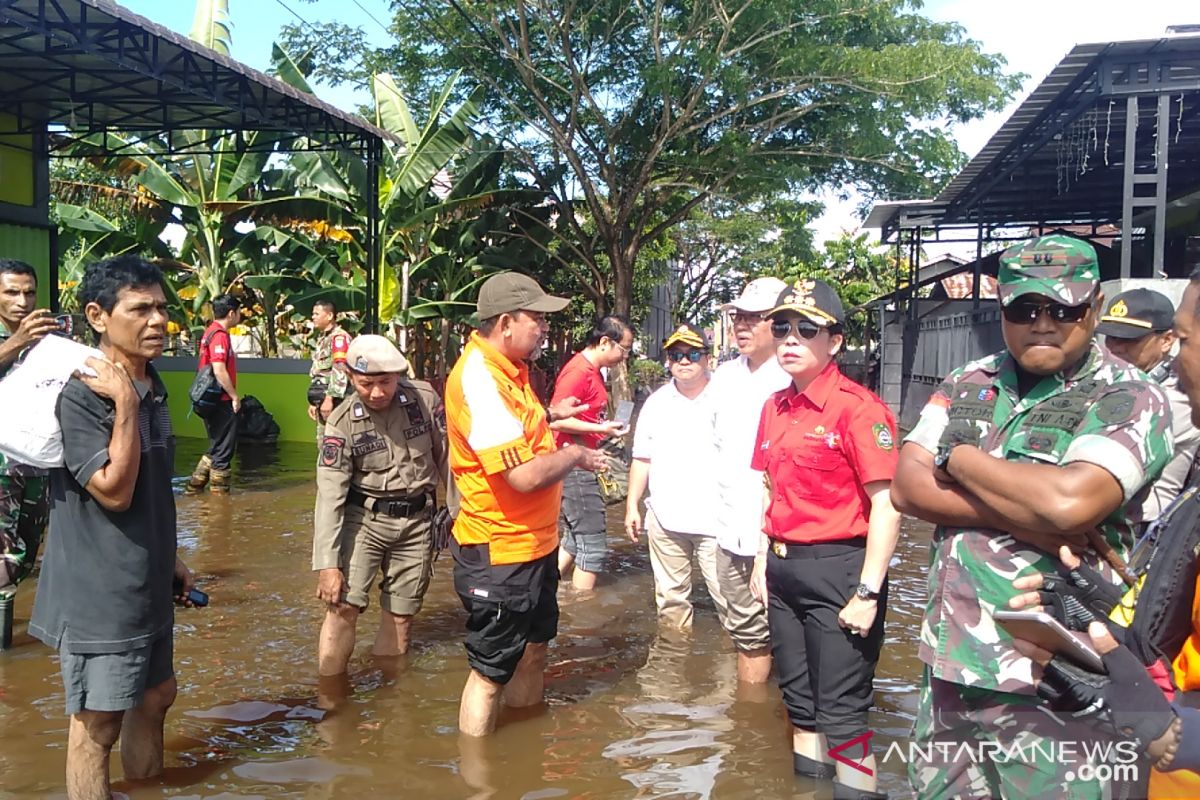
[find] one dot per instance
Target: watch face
(864, 592)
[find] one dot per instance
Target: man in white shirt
(740, 387)
(674, 456)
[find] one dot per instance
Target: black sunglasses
(1025, 312)
(780, 328)
(694, 356)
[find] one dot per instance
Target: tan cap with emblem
(370, 354)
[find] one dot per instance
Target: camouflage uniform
(334, 382)
(24, 511)
(977, 688)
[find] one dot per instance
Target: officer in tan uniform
(380, 459)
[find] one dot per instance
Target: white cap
(759, 296)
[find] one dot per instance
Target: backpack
(205, 392)
(255, 423)
(1166, 556)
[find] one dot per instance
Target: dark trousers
(826, 673)
(221, 424)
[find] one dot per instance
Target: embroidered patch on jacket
(331, 451)
(367, 442)
(883, 436)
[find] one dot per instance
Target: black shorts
(508, 606)
(826, 673)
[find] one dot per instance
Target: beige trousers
(671, 557)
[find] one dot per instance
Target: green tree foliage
(723, 245)
(858, 271)
(632, 115)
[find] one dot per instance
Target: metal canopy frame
(1090, 147)
(84, 68)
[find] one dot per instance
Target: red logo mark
(865, 740)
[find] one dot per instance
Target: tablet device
(1049, 634)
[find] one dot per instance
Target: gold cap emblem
(1119, 309)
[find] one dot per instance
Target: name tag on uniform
(367, 442)
(417, 430)
(415, 415)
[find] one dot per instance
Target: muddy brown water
(629, 714)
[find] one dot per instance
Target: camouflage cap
(370, 354)
(1062, 268)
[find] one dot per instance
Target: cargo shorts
(398, 550)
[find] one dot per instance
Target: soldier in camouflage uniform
(24, 504)
(328, 382)
(1014, 455)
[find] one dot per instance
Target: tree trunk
(443, 351)
(417, 341)
(622, 304)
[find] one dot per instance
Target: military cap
(1133, 314)
(1062, 268)
(686, 334)
(375, 355)
(812, 299)
(507, 292)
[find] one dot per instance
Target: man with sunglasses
(673, 454)
(1136, 327)
(827, 448)
(1014, 455)
(740, 387)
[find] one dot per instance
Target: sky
(1032, 35)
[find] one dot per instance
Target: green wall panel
(282, 394)
(16, 165)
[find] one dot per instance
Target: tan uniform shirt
(398, 452)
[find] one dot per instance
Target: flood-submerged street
(630, 714)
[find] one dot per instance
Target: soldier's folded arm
(1043, 498)
(915, 491)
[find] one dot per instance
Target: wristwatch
(864, 592)
(941, 461)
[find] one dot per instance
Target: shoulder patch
(331, 451)
(883, 436)
(1116, 407)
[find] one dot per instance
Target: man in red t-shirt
(581, 521)
(220, 422)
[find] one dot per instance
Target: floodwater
(629, 714)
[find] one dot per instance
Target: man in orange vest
(509, 473)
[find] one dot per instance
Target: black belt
(837, 547)
(390, 506)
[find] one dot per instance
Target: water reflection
(630, 712)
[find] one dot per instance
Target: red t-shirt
(217, 347)
(582, 380)
(820, 447)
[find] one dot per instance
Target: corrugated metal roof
(94, 65)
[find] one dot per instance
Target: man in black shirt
(104, 598)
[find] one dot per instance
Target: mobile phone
(624, 412)
(1049, 634)
(65, 323)
(197, 597)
